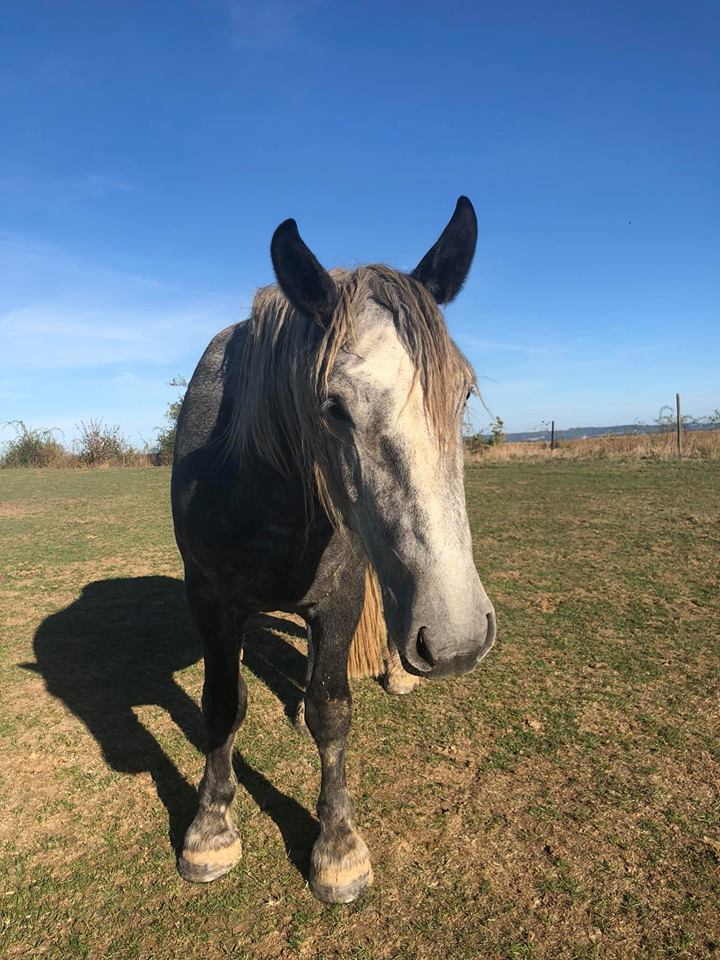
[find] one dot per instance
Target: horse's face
(405, 498)
(399, 488)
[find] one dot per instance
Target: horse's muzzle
(434, 659)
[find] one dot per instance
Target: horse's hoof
(343, 879)
(203, 866)
(299, 720)
(211, 848)
(400, 683)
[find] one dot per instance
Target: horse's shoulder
(211, 391)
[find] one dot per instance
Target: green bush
(497, 432)
(478, 443)
(166, 435)
(475, 444)
(99, 445)
(32, 448)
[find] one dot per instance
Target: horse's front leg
(340, 863)
(212, 844)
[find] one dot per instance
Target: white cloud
(69, 334)
(80, 340)
(60, 312)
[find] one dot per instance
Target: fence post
(677, 413)
(552, 435)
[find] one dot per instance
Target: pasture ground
(561, 802)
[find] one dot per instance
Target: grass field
(561, 802)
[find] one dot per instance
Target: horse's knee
(328, 720)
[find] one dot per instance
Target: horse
(318, 470)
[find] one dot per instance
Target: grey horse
(319, 450)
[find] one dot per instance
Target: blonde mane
(287, 359)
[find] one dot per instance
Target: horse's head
(389, 391)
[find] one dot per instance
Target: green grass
(561, 802)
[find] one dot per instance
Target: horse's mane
(287, 359)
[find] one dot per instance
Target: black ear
(445, 266)
(307, 285)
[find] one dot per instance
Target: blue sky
(150, 149)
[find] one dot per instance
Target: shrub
(497, 432)
(166, 435)
(100, 444)
(475, 444)
(32, 448)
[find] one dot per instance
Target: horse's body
(318, 437)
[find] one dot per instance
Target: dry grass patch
(696, 445)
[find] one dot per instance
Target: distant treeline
(710, 422)
(696, 444)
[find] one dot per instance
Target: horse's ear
(445, 266)
(305, 282)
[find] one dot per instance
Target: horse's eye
(335, 409)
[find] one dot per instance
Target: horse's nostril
(422, 648)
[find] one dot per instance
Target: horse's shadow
(118, 646)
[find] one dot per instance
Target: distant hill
(578, 433)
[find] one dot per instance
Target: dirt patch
(15, 510)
